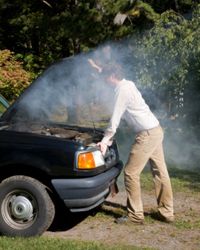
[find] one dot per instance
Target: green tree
(167, 61)
(50, 30)
(45, 31)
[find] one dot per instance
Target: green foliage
(49, 30)
(170, 63)
(52, 31)
(13, 78)
(180, 6)
(141, 8)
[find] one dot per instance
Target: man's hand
(103, 147)
(94, 65)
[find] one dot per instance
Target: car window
(2, 109)
(3, 105)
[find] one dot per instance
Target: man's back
(137, 112)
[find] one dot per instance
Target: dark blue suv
(48, 149)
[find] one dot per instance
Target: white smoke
(73, 89)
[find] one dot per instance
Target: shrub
(13, 78)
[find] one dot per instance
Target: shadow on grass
(188, 179)
(113, 209)
(65, 220)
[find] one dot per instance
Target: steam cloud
(74, 92)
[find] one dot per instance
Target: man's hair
(113, 69)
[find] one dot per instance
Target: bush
(13, 78)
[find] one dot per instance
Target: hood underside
(67, 92)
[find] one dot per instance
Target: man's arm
(119, 109)
(94, 65)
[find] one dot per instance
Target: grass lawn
(48, 243)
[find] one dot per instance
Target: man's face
(108, 80)
(111, 80)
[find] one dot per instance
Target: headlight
(110, 156)
(90, 160)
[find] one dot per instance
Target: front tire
(26, 208)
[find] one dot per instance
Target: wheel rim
(19, 209)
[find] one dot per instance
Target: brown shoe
(169, 219)
(160, 217)
(125, 219)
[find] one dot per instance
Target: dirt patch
(99, 225)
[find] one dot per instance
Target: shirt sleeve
(120, 105)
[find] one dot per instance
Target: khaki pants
(148, 146)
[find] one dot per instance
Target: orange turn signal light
(86, 161)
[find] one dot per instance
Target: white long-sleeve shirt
(130, 103)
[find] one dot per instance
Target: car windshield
(3, 105)
(70, 92)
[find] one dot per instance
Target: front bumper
(83, 194)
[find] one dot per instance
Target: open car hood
(68, 92)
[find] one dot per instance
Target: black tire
(26, 208)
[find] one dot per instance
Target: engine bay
(86, 136)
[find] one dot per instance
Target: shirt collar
(121, 83)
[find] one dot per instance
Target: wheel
(26, 208)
